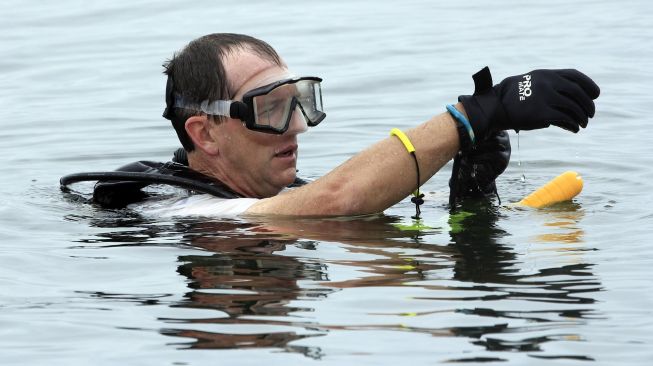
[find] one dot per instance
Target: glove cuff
(484, 107)
(476, 117)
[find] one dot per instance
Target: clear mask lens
(310, 101)
(275, 109)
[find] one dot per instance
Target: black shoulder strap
(124, 186)
(120, 193)
(119, 188)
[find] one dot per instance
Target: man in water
(237, 110)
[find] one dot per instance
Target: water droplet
(523, 176)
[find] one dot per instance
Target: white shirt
(195, 205)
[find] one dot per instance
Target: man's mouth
(287, 151)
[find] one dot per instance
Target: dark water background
(81, 89)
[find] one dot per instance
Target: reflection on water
(249, 281)
(483, 260)
(565, 219)
(263, 294)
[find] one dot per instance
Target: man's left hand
(475, 171)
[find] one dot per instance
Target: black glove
(530, 101)
(474, 172)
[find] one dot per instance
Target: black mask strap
(170, 98)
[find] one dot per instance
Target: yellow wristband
(418, 199)
(403, 138)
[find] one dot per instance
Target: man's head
(224, 67)
(198, 73)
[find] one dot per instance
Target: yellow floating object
(559, 189)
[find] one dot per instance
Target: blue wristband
(461, 118)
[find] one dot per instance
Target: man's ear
(198, 128)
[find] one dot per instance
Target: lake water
(81, 89)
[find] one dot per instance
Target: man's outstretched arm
(373, 179)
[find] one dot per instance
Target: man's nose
(297, 122)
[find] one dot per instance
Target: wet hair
(197, 73)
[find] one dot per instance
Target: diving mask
(269, 108)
